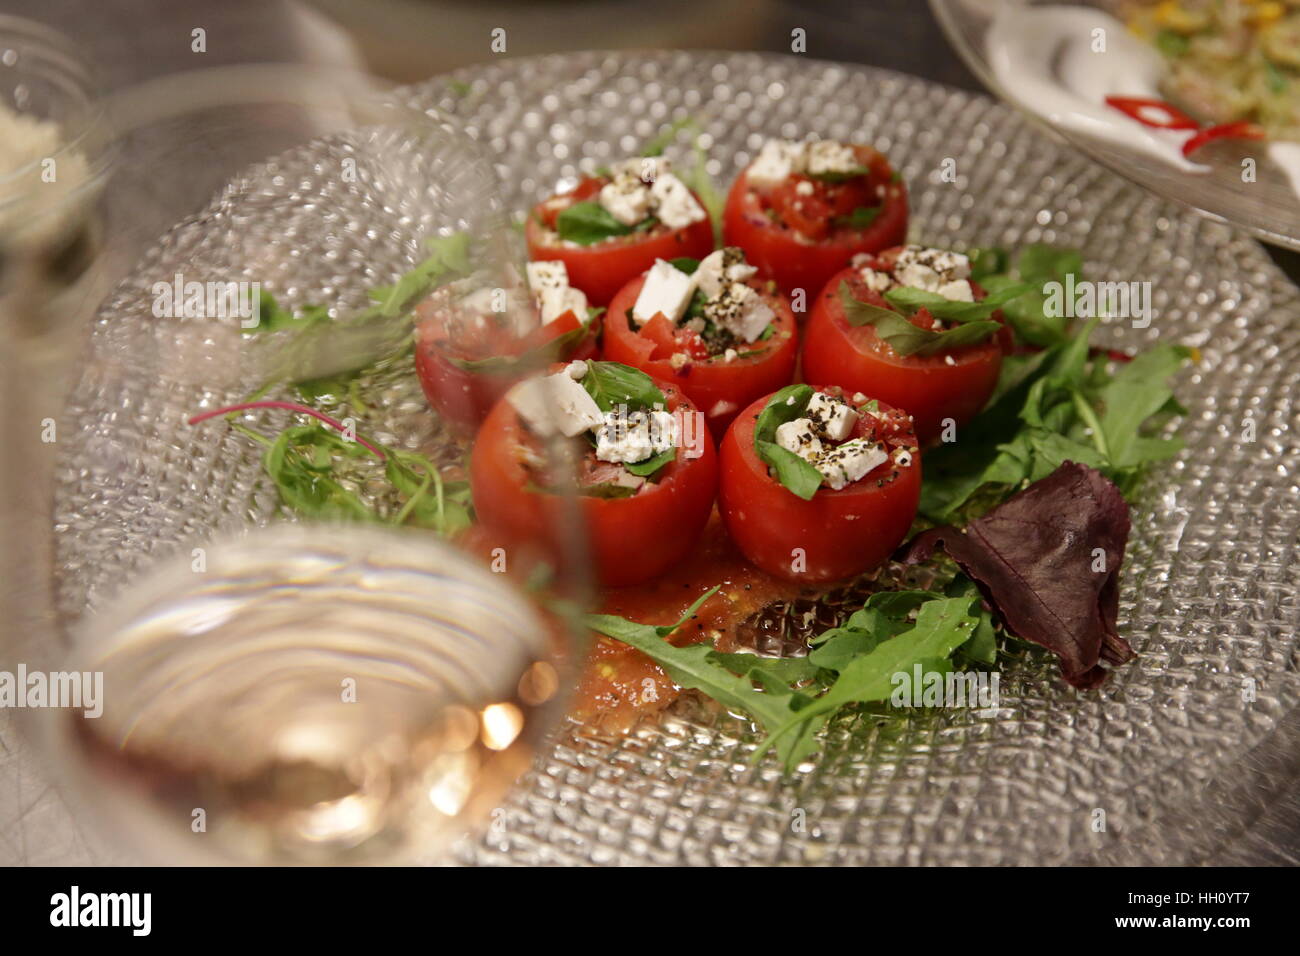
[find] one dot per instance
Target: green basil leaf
(906, 338)
(951, 310)
(647, 468)
(860, 218)
(685, 264)
(612, 384)
(797, 475)
(588, 222)
(840, 177)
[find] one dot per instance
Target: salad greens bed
(1029, 505)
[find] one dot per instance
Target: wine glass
(293, 649)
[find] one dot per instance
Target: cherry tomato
(463, 395)
(630, 540)
(602, 268)
(718, 387)
(954, 384)
(794, 237)
(837, 534)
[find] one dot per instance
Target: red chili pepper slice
(1137, 107)
(1241, 129)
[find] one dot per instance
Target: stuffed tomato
(645, 480)
(613, 227)
(817, 486)
(801, 211)
(909, 327)
(470, 350)
(711, 328)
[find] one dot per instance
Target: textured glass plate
(1169, 750)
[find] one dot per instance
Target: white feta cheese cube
(673, 203)
(667, 289)
(626, 198)
(752, 314)
(844, 464)
(549, 283)
(546, 274)
(958, 290)
(556, 403)
(834, 418)
(828, 157)
(722, 267)
(778, 159)
(800, 437)
(630, 437)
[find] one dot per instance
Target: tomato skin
(603, 268)
(726, 387)
(464, 397)
(842, 533)
(835, 353)
(797, 261)
(631, 540)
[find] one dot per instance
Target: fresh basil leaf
(951, 310)
(685, 264)
(860, 218)
(797, 475)
(840, 177)
(647, 468)
(903, 336)
(588, 222)
(612, 384)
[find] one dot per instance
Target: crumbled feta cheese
(667, 289)
(833, 418)
(859, 398)
(800, 437)
(673, 203)
(729, 355)
(555, 403)
(679, 360)
(902, 457)
(827, 156)
(805, 188)
(635, 436)
(549, 283)
(576, 369)
(949, 360)
(720, 267)
(626, 198)
(877, 281)
(775, 161)
(846, 463)
(740, 310)
(934, 270)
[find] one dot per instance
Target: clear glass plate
(1168, 749)
(1267, 204)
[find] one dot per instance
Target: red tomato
(931, 388)
(463, 396)
(631, 540)
(792, 238)
(841, 533)
(718, 387)
(602, 268)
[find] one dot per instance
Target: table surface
(132, 41)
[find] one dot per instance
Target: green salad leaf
(588, 222)
(906, 338)
(612, 384)
(797, 475)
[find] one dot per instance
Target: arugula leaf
(537, 357)
(588, 222)
(448, 256)
(1062, 404)
(1036, 264)
(273, 317)
(612, 384)
(797, 475)
(698, 667)
(906, 338)
(987, 261)
(300, 462)
(443, 506)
